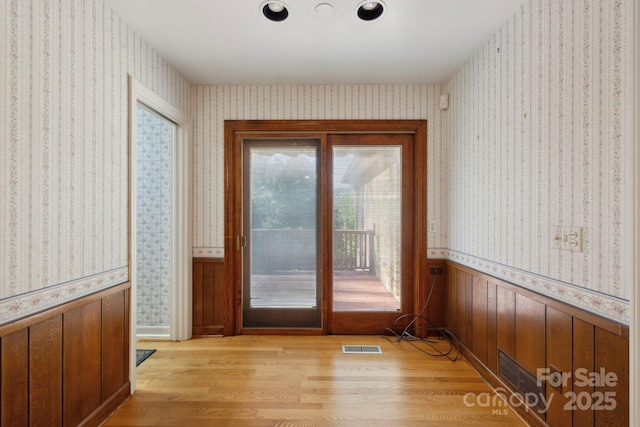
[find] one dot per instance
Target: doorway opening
(155, 141)
(160, 246)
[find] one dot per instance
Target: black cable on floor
(408, 333)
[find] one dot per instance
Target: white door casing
(181, 225)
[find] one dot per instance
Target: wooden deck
(361, 292)
(353, 291)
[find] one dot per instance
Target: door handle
(241, 242)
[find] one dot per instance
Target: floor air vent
(361, 349)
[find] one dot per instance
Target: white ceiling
(231, 42)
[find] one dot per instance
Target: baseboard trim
(108, 407)
(153, 332)
(208, 330)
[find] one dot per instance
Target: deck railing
(353, 250)
(280, 251)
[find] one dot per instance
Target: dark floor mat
(142, 355)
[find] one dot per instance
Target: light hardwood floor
(248, 381)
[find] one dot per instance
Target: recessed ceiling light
(274, 10)
(370, 10)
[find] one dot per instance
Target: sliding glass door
(367, 228)
(327, 238)
(281, 278)
(372, 237)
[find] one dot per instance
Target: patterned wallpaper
(214, 104)
(541, 135)
(63, 164)
(538, 135)
(153, 221)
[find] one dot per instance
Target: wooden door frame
(235, 130)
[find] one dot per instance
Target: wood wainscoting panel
(451, 295)
(461, 307)
(540, 332)
(208, 307)
(82, 331)
(612, 368)
(45, 373)
(68, 365)
(197, 293)
(559, 347)
(480, 319)
(468, 310)
(219, 292)
(506, 312)
(115, 358)
(14, 379)
(210, 310)
(583, 357)
(530, 333)
(492, 327)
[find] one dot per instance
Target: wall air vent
(519, 377)
(361, 349)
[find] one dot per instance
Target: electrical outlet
(432, 226)
(436, 270)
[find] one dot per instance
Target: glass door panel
(367, 232)
(281, 286)
(372, 239)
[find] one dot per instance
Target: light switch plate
(567, 238)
